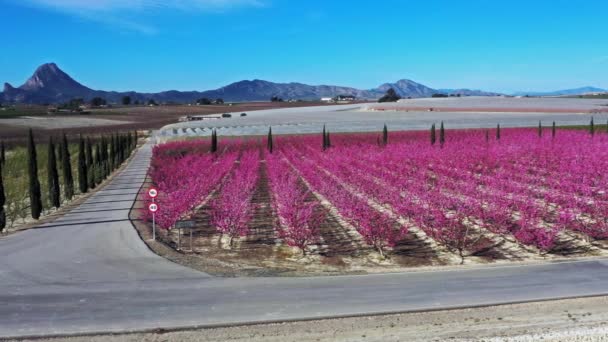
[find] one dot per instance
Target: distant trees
(151, 102)
(219, 101)
(126, 100)
(276, 99)
(390, 96)
(98, 101)
(74, 104)
(203, 101)
(439, 95)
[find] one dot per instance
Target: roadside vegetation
(39, 178)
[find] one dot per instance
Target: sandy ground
(584, 319)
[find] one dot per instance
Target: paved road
(89, 272)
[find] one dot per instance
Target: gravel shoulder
(583, 319)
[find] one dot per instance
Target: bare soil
(122, 119)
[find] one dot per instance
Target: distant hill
(575, 91)
(50, 85)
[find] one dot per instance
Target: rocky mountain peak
(49, 76)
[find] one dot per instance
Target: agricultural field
(357, 202)
(14, 122)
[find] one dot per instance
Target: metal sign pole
(153, 224)
(191, 250)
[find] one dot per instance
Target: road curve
(88, 272)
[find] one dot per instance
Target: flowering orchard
(534, 189)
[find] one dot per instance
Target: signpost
(153, 208)
(186, 224)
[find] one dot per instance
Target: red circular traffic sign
(152, 192)
(153, 207)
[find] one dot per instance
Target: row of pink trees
(377, 228)
(299, 214)
(232, 210)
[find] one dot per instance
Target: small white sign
(153, 207)
(152, 192)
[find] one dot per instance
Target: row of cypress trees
(327, 142)
(441, 135)
(96, 161)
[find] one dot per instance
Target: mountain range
(575, 91)
(50, 85)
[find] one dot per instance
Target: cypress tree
(32, 167)
(105, 157)
(487, 136)
(129, 142)
(433, 136)
(540, 129)
(324, 139)
(270, 139)
(2, 202)
(98, 164)
(66, 169)
(112, 156)
(553, 130)
(441, 135)
(328, 140)
(122, 148)
(83, 182)
(591, 127)
(498, 132)
(213, 141)
(90, 164)
(59, 152)
(118, 152)
(53, 176)
(2, 153)
(385, 135)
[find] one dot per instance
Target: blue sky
(150, 45)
